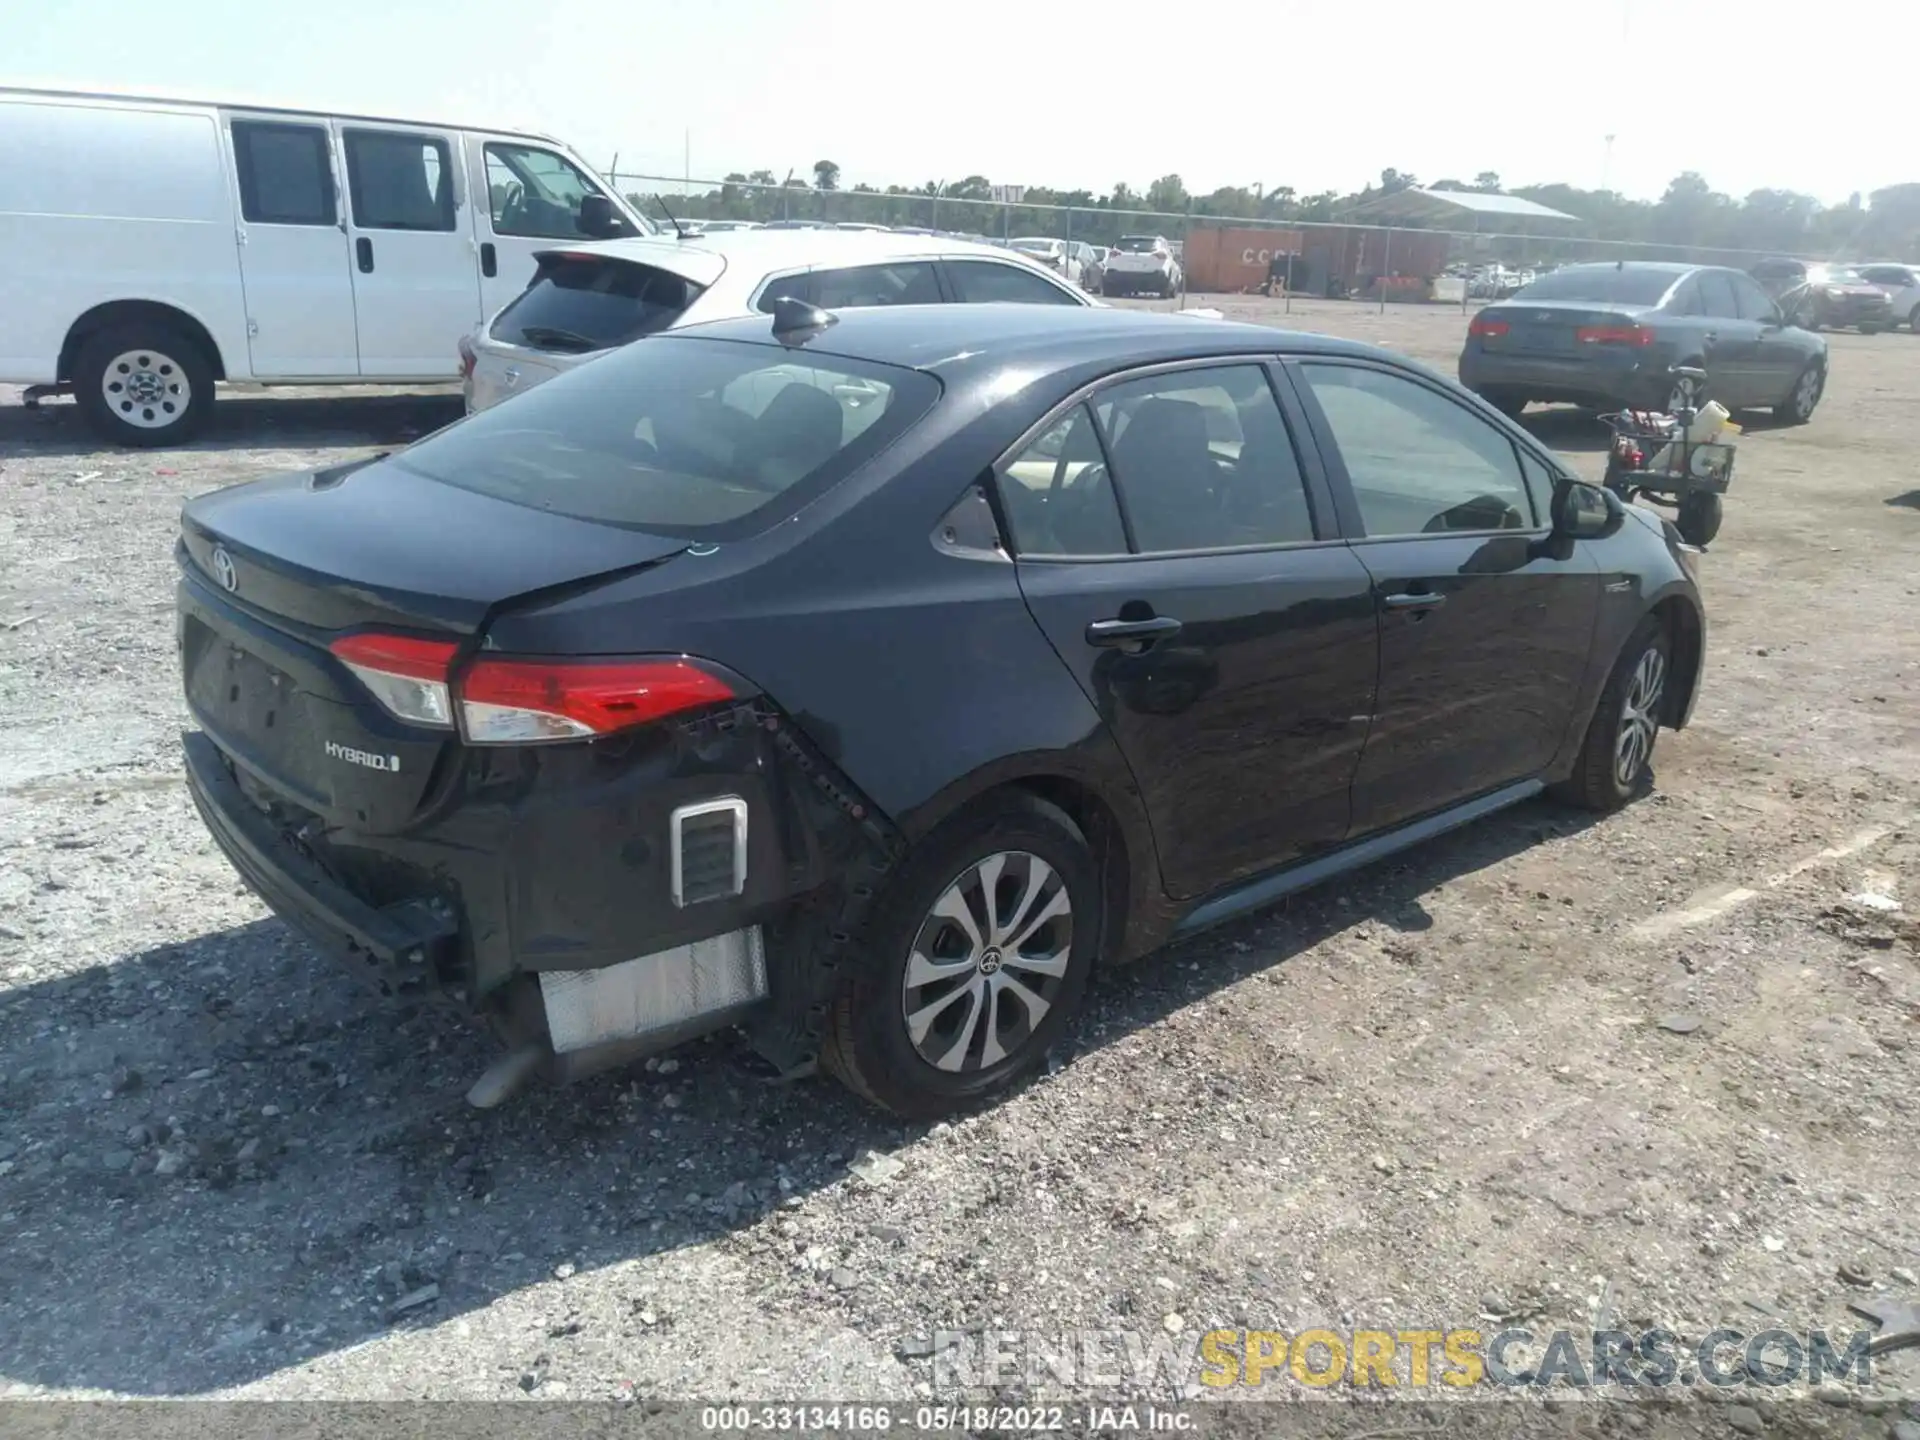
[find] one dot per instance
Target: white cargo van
(150, 247)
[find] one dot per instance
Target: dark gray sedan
(1610, 336)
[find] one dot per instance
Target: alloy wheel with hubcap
(1807, 391)
(1639, 718)
(146, 388)
(990, 957)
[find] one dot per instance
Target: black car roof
(952, 340)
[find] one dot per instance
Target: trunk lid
(1549, 327)
(275, 570)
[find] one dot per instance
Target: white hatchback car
(1141, 263)
(587, 299)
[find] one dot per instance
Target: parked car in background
(868, 682)
(1608, 335)
(723, 227)
(587, 299)
(1141, 264)
(859, 225)
(1901, 282)
(1092, 272)
(1820, 295)
(156, 246)
(1057, 255)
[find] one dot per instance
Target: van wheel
(143, 384)
(975, 961)
(1618, 751)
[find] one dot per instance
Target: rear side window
(1058, 495)
(578, 303)
(399, 180)
(285, 175)
(977, 282)
(902, 283)
(684, 436)
(1716, 295)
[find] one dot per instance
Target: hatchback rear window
(1605, 284)
(681, 436)
(1138, 244)
(578, 303)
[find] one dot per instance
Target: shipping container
(1234, 260)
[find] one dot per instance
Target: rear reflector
(1614, 335)
(408, 676)
(1487, 329)
(517, 702)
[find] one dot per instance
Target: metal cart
(1651, 455)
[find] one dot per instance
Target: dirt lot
(1438, 1092)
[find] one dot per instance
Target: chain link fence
(1220, 254)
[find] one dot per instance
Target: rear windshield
(1036, 247)
(681, 436)
(1138, 244)
(1608, 284)
(578, 303)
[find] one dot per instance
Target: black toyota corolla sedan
(866, 681)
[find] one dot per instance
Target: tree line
(1690, 214)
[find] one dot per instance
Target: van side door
(526, 198)
(416, 286)
(294, 258)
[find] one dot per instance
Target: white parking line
(1711, 903)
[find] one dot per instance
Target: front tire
(143, 384)
(1799, 405)
(976, 960)
(1615, 758)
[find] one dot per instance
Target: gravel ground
(1660, 1067)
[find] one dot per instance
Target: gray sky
(1310, 94)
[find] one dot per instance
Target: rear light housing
(1613, 335)
(1487, 329)
(510, 700)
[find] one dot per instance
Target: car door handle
(1109, 634)
(489, 261)
(363, 253)
(1422, 601)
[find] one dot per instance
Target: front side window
(1203, 460)
(399, 181)
(681, 436)
(1058, 496)
(1419, 463)
(536, 193)
(578, 303)
(977, 282)
(286, 177)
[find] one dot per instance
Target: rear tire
(1913, 320)
(1614, 759)
(1699, 518)
(143, 384)
(936, 1012)
(1505, 401)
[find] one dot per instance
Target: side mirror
(598, 217)
(1584, 512)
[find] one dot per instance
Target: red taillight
(507, 702)
(467, 358)
(1614, 335)
(407, 675)
(1487, 329)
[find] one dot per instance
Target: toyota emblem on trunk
(223, 570)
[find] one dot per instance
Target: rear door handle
(1113, 634)
(1422, 601)
(363, 252)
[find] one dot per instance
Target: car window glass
(680, 436)
(534, 192)
(285, 175)
(1204, 461)
(1540, 481)
(1716, 294)
(399, 181)
(1752, 300)
(901, 283)
(579, 303)
(978, 282)
(1058, 495)
(1686, 300)
(1420, 463)
(787, 287)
